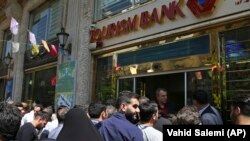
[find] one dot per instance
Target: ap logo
(201, 7)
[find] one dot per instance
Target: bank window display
(236, 61)
(106, 8)
(105, 82)
(40, 87)
(46, 21)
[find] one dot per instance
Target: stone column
(18, 74)
(78, 21)
(14, 9)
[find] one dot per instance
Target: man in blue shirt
(209, 114)
(120, 127)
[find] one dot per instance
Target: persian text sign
(65, 87)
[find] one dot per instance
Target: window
(105, 8)
(38, 87)
(7, 44)
(46, 22)
(236, 61)
(5, 48)
(104, 79)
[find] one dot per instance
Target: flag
(35, 50)
(13, 26)
(15, 47)
(32, 38)
(45, 45)
(53, 51)
(53, 80)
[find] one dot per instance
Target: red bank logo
(201, 7)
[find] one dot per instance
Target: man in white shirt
(30, 116)
(61, 113)
(148, 117)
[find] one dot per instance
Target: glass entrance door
(180, 86)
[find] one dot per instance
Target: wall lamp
(63, 37)
(8, 59)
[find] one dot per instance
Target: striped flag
(14, 26)
(32, 38)
(45, 45)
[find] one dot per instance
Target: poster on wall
(65, 87)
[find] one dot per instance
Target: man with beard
(120, 126)
(240, 109)
(28, 131)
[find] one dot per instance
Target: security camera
(92, 26)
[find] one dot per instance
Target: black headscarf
(78, 127)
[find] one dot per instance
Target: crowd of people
(130, 118)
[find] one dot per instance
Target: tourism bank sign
(162, 16)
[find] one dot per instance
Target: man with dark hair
(30, 116)
(60, 113)
(19, 105)
(148, 117)
(97, 112)
(121, 126)
(10, 118)
(209, 114)
(83, 107)
(28, 131)
(240, 109)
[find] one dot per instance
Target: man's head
(37, 108)
(20, 107)
(148, 112)
(240, 108)
(161, 96)
(97, 111)
(61, 113)
(41, 119)
(188, 115)
(143, 99)
(10, 119)
(198, 75)
(110, 110)
(128, 103)
(200, 98)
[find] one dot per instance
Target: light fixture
(63, 37)
(8, 59)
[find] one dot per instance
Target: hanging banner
(65, 87)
